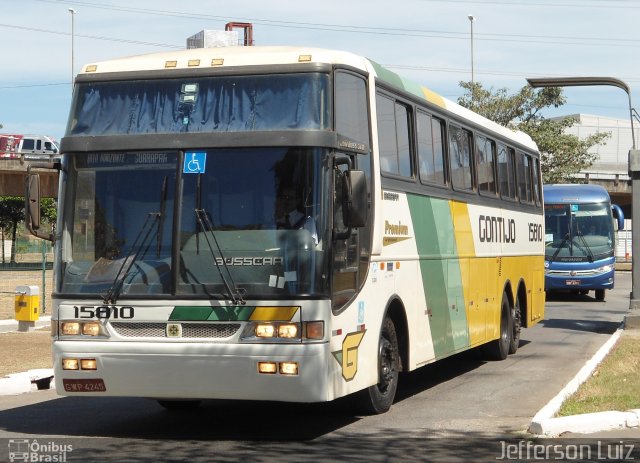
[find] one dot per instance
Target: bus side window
(486, 153)
(460, 158)
(394, 137)
(430, 149)
(524, 177)
(506, 172)
(351, 111)
(537, 197)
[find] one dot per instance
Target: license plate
(84, 385)
(573, 282)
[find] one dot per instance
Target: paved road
(460, 409)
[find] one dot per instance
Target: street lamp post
(634, 171)
(471, 20)
(73, 14)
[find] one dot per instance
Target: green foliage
(12, 212)
(562, 154)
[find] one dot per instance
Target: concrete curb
(28, 381)
(545, 424)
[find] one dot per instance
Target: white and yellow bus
(283, 224)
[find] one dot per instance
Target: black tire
(499, 348)
(378, 398)
(599, 294)
(179, 404)
(516, 328)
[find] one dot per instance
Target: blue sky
(428, 41)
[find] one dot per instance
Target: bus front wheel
(599, 294)
(378, 398)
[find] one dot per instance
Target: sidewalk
(607, 424)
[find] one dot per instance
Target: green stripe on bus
(440, 268)
(407, 85)
(202, 313)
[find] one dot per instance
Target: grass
(614, 384)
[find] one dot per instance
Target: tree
(12, 212)
(562, 155)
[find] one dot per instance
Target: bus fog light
(265, 331)
(88, 364)
(288, 330)
(315, 330)
(70, 364)
(70, 328)
(288, 368)
(91, 329)
(269, 368)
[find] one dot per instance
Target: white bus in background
(28, 147)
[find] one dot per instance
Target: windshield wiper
(136, 250)
(562, 243)
(204, 221)
(586, 246)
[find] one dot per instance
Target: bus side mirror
(355, 207)
(32, 205)
(618, 215)
(32, 200)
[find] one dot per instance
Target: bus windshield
(578, 232)
(240, 223)
(201, 104)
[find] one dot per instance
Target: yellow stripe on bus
(433, 97)
(473, 286)
(273, 313)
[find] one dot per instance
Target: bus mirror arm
(32, 200)
(619, 216)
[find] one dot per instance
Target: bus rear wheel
(499, 348)
(516, 327)
(378, 398)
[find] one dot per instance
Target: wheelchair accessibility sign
(194, 162)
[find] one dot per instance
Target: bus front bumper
(194, 371)
(555, 281)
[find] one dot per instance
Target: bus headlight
(70, 364)
(265, 330)
(281, 331)
(70, 328)
(91, 329)
(74, 328)
(288, 330)
(605, 269)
